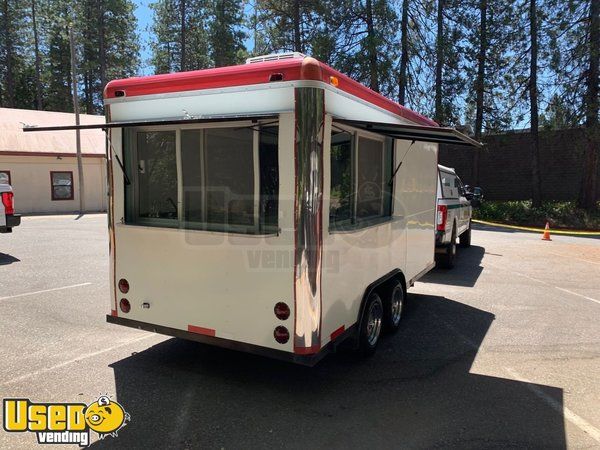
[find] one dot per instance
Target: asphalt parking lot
(501, 352)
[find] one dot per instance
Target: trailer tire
(465, 238)
(393, 304)
(371, 323)
(446, 260)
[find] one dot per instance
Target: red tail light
(125, 305)
(442, 217)
(7, 201)
(282, 311)
(281, 334)
(124, 285)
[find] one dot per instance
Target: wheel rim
(374, 323)
(396, 306)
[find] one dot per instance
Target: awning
(151, 123)
(422, 133)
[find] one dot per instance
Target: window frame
(131, 159)
(9, 176)
(70, 172)
(354, 223)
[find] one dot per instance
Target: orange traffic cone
(546, 236)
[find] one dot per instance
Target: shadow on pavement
(6, 259)
(416, 392)
(466, 271)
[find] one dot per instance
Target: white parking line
(546, 283)
(574, 257)
(45, 290)
(576, 420)
(74, 360)
(578, 295)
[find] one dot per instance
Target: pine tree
(226, 34)
(14, 70)
(181, 37)
(576, 62)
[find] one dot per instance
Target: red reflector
(7, 201)
(442, 216)
(124, 285)
(282, 311)
(281, 334)
(125, 305)
(201, 330)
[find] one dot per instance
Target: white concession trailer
(277, 207)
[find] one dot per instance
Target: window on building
(5, 177)
(361, 169)
(62, 185)
(219, 179)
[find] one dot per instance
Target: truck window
(361, 168)
(4, 177)
(449, 185)
(223, 179)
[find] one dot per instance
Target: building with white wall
(42, 166)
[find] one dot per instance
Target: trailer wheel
(465, 238)
(370, 325)
(446, 260)
(393, 304)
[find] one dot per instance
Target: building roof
(13, 141)
(284, 68)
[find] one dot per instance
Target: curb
(539, 230)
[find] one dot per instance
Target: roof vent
(275, 57)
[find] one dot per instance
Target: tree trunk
(480, 85)
(182, 13)
(297, 36)
(533, 98)
(10, 76)
(36, 47)
(402, 79)
(102, 45)
(374, 79)
(439, 63)
(589, 184)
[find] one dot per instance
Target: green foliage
(197, 34)
(107, 47)
(559, 214)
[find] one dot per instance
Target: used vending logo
(65, 423)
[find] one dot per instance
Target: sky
(144, 17)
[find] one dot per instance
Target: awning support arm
(400, 164)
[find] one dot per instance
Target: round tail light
(281, 334)
(125, 305)
(282, 311)
(124, 285)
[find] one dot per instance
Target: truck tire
(370, 325)
(465, 238)
(393, 304)
(446, 260)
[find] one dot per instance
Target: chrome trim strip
(308, 211)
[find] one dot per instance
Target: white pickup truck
(453, 219)
(8, 218)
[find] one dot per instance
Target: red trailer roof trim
(294, 69)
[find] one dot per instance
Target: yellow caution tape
(539, 230)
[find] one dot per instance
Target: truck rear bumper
(12, 220)
(306, 360)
